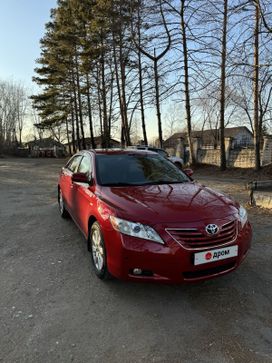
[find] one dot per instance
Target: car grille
(193, 238)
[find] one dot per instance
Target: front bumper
(170, 263)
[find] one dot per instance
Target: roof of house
(208, 136)
(44, 143)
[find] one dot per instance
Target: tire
(98, 252)
(63, 211)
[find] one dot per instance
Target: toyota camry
(144, 219)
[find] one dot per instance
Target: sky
(21, 27)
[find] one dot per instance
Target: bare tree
(155, 58)
(223, 87)
(263, 15)
(256, 90)
(172, 119)
(22, 103)
(140, 70)
(13, 108)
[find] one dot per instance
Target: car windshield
(136, 169)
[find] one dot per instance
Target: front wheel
(98, 252)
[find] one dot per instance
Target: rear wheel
(63, 211)
(98, 251)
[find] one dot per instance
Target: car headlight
(135, 229)
(243, 215)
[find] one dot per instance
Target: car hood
(168, 203)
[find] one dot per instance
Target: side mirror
(81, 178)
(188, 172)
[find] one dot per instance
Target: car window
(133, 169)
(85, 165)
(74, 163)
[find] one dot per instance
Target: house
(241, 137)
(47, 147)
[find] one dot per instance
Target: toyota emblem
(212, 229)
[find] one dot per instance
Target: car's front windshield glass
(136, 169)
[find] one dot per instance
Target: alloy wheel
(97, 249)
(61, 203)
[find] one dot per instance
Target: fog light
(137, 271)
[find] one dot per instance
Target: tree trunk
(105, 136)
(73, 126)
(256, 90)
(157, 90)
(223, 163)
(123, 141)
(90, 112)
(80, 105)
(68, 138)
(20, 136)
(142, 97)
(123, 98)
(186, 84)
(111, 101)
(99, 102)
(141, 80)
(76, 112)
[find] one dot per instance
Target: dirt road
(54, 309)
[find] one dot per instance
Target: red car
(144, 219)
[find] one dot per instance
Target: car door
(66, 182)
(83, 194)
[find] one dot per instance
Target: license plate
(215, 255)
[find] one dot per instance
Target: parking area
(54, 309)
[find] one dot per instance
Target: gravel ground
(54, 309)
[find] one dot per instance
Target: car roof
(118, 151)
(151, 148)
